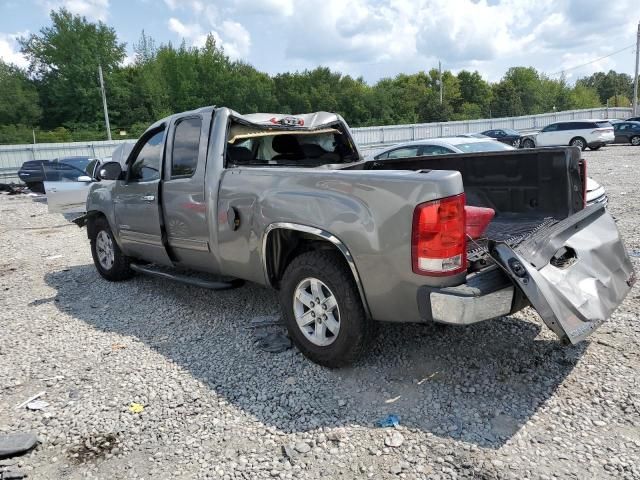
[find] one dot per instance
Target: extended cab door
(68, 192)
(183, 202)
(136, 201)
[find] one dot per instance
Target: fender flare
(324, 235)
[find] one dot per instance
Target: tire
(635, 140)
(579, 142)
(528, 143)
(595, 148)
(109, 260)
(326, 274)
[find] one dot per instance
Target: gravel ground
(500, 399)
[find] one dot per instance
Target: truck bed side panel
(370, 212)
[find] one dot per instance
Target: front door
(136, 200)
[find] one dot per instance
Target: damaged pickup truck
(287, 202)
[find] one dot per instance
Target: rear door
(183, 199)
(619, 131)
(548, 135)
(575, 274)
(136, 201)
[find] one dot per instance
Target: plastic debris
(136, 408)
(30, 399)
(389, 421)
(273, 342)
(37, 405)
(117, 346)
(634, 253)
(12, 444)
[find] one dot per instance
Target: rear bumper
(485, 295)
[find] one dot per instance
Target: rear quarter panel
(370, 212)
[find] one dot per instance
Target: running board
(189, 280)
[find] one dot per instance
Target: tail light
(477, 220)
(438, 242)
(582, 165)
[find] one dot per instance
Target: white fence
(369, 138)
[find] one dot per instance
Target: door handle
(149, 198)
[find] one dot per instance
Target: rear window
(603, 124)
(483, 147)
(186, 144)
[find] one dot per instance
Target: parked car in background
(443, 146)
(633, 119)
(34, 172)
(576, 133)
(613, 121)
(505, 135)
(627, 132)
(472, 135)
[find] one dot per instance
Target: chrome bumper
(485, 295)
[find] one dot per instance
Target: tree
(19, 100)
(64, 59)
(609, 84)
(619, 101)
(583, 97)
(474, 90)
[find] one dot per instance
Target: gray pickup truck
(212, 198)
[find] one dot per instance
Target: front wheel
(322, 309)
(528, 143)
(635, 141)
(109, 260)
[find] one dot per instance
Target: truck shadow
(479, 384)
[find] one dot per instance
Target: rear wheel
(579, 142)
(635, 140)
(109, 260)
(322, 309)
(595, 148)
(528, 143)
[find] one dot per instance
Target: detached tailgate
(574, 273)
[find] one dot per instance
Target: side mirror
(110, 171)
(85, 179)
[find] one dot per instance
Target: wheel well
(91, 221)
(576, 138)
(283, 245)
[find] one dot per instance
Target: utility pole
(635, 79)
(440, 79)
(104, 103)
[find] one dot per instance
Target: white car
(448, 145)
(577, 133)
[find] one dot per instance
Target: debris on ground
(37, 405)
(11, 473)
(13, 444)
(136, 408)
(389, 421)
(30, 399)
(269, 333)
(13, 188)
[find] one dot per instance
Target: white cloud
(262, 7)
(97, 10)
(9, 50)
(232, 36)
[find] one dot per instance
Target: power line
(592, 61)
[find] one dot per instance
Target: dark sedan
(627, 132)
(505, 135)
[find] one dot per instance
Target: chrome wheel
(104, 249)
(635, 141)
(316, 311)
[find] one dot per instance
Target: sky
(368, 38)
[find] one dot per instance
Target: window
(186, 144)
(61, 172)
(435, 150)
(499, 133)
(490, 146)
(405, 152)
(551, 128)
(146, 166)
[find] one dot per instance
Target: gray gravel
(501, 399)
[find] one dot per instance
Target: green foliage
(59, 95)
(619, 101)
(19, 100)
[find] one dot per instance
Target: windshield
(483, 147)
